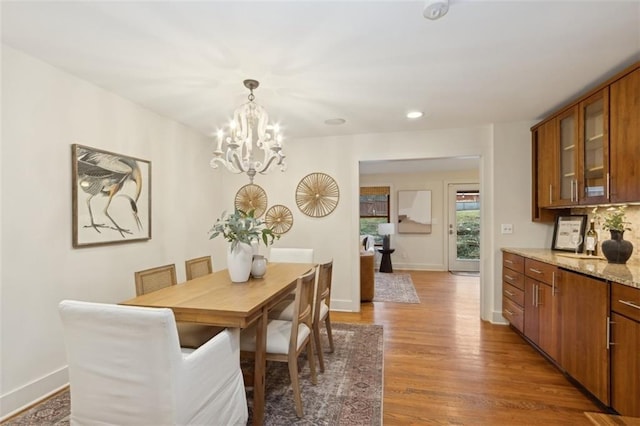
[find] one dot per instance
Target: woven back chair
(191, 335)
(155, 279)
(198, 267)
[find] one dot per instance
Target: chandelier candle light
(249, 131)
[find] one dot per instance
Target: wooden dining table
(215, 300)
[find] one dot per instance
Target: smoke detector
(435, 9)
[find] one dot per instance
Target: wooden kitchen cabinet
(545, 163)
(593, 160)
(625, 350)
(513, 290)
(582, 152)
(625, 138)
(541, 307)
(589, 151)
(583, 324)
(566, 132)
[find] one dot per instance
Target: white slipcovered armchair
(126, 367)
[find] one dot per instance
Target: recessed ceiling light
(335, 121)
(415, 114)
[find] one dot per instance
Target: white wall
(512, 200)
(426, 252)
(44, 111)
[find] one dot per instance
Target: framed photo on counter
(568, 233)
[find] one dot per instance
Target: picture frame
(568, 233)
(111, 197)
(414, 212)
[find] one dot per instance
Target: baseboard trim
(32, 393)
(497, 318)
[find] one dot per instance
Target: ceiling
(367, 62)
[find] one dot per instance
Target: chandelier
(248, 133)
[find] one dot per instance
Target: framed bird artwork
(111, 197)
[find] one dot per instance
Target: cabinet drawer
(540, 271)
(513, 313)
(513, 261)
(513, 293)
(625, 300)
(514, 278)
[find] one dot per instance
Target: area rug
(349, 392)
(394, 288)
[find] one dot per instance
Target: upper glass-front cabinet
(568, 144)
(594, 113)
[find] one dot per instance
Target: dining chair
(291, 255)
(153, 279)
(198, 267)
(286, 340)
(126, 367)
(322, 309)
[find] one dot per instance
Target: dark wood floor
(443, 365)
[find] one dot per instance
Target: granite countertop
(628, 274)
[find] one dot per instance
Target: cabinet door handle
(577, 196)
(628, 303)
(571, 191)
(608, 186)
(550, 194)
(509, 293)
(609, 342)
(508, 277)
(538, 295)
(509, 261)
(536, 271)
(553, 283)
(509, 312)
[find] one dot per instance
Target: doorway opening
(464, 228)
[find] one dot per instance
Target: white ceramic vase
(259, 266)
(239, 262)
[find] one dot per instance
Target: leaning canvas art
(414, 212)
(111, 197)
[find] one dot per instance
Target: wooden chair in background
(198, 267)
(153, 279)
(286, 340)
(322, 308)
(291, 255)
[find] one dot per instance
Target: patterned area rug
(394, 288)
(349, 392)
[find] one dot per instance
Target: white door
(464, 227)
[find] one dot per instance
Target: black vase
(617, 250)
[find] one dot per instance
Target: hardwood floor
(443, 365)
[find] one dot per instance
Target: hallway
(443, 365)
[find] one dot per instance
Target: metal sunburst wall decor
(317, 194)
(279, 219)
(251, 197)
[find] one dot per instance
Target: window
(374, 209)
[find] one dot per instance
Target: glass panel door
(595, 147)
(568, 160)
(464, 227)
